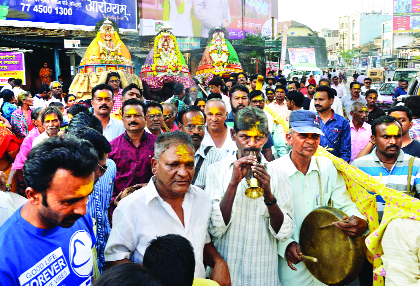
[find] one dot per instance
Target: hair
(216, 81)
(66, 98)
(214, 95)
(44, 88)
(18, 82)
(7, 95)
(356, 105)
(23, 96)
(367, 78)
(198, 99)
(54, 82)
(217, 100)
(101, 87)
(134, 101)
(85, 119)
(402, 109)
(255, 93)
(173, 107)
(98, 141)
(296, 83)
(130, 87)
(295, 96)
(111, 74)
(386, 119)
(269, 89)
(327, 89)
(166, 139)
(238, 87)
(77, 108)
(335, 77)
(270, 72)
(178, 89)
(171, 258)
(247, 117)
(190, 108)
(281, 87)
(52, 110)
(353, 83)
(241, 73)
(311, 84)
(152, 104)
(413, 103)
(56, 104)
(370, 91)
(252, 77)
(406, 81)
(10, 79)
(67, 152)
(326, 80)
(36, 112)
(128, 274)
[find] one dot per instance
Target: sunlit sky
(326, 13)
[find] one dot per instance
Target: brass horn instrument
(254, 191)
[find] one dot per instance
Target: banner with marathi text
(12, 65)
(406, 16)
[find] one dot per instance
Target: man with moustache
(192, 120)
(132, 151)
(360, 129)
(129, 92)
(279, 105)
(154, 118)
(337, 104)
(374, 111)
(51, 119)
(241, 78)
(238, 221)
(239, 94)
(102, 103)
(341, 89)
(59, 174)
(269, 92)
(56, 93)
(354, 96)
(311, 91)
(169, 204)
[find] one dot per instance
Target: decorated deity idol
(107, 48)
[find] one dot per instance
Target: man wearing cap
(354, 96)
(314, 181)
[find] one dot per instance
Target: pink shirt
(24, 149)
(281, 109)
(117, 101)
(359, 139)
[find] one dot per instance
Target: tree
(348, 55)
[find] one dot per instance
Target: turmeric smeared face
(197, 120)
(214, 110)
(49, 117)
(184, 155)
(85, 190)
(132, 112)
(324, 83)
(392, 130)
(103, 95)
(317, 95)
(201, 103)
(165, 112)
(56, 85)
(364, 109)
(154, 111)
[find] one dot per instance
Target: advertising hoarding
(406, 16)
(12, 65)
(75, 14)
(302, 57)
(196, 18)
(387, 37)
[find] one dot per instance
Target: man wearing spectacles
(368, 85)
(114, 80)
(103, 103)
(169, 116)
(192, 121)
(154, 118)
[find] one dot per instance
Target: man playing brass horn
(246, 231)
(307, 175)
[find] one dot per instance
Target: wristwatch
(272, 203)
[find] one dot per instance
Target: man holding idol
(315, 183)
(251, 204)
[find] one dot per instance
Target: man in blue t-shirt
(402, 90)
(49, 240)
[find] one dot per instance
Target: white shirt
(337, 106)
(17, 91)
(229, 146)
(401, 245)
(145, 215)
(114, 129)
(44, 135)
(306, 198)
(340, 89)
(39, 102)
(53, 99)
(248, 243)
(364, 89)
(7, 207)
(270, 120)
(7, 86)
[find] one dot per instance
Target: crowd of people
(122, 190)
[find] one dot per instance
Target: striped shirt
(396, 179)
(248, 243)
(213, 155)
(401, 245)
(97, 207)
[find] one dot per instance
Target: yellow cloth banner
(398, 205)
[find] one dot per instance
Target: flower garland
(219, 56)
(174, 66)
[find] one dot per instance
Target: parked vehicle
(387, 91)
(406, 74)
(377, 75)
(304, 71)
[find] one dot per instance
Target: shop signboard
(12, 64)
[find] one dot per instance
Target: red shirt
(312, 81)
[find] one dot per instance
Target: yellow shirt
(204, 282)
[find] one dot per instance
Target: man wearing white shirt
(215, 85)
(10, 84)
(339, 88)
(56, 93)
(217, 132)
(169, 204)
(17, 89)
(40, 99)
(368, 85)
(212, 13)
(246, 231)
(102, 103)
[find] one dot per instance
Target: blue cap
(305, 121)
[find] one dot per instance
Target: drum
(340, 257)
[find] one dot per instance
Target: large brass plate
(340, 258)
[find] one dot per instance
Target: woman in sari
(21, 117)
